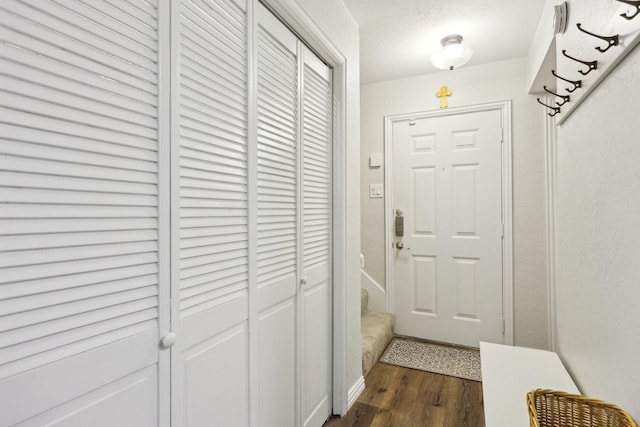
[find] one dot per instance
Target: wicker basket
(549, 408)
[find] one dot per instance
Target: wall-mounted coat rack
(609, 28)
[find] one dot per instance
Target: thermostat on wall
(375, 161)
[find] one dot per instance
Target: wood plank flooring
(401, 397)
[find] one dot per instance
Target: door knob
(168, 340)
(400, 245)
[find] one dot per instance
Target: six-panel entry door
(447, 191)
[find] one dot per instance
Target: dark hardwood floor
(402, 397)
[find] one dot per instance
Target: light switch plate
(375, 191)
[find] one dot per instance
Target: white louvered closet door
(212, 350)
(277, 221)
(316, 310)
(81, 304)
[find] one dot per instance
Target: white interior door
(277, 221)
(316, 307)
(211, 357)
(82, 285)
(294, 116)
(105, 227)
(447, 182)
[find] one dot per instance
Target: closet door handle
(303, 280)
(168, 340)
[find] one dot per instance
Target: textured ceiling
(398, 36)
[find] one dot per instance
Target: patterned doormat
(458, 362)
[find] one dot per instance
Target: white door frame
(290, 12)
(550, 174)
(504, 107)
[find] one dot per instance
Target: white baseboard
(354, 392)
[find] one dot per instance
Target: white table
(509, 373)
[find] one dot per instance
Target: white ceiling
(397, 37)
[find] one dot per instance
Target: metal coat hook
(634, 3)
(593, 65)
(611, 40)
(576, 83)
(556, 110)
(565, 98)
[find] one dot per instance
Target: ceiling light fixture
(453, 53)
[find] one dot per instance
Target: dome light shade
(453, 53)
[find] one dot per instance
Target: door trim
(294, 16)
(504, 107)
(550, 175)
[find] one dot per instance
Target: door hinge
(504, 326)
(503, 230)
(501, 135)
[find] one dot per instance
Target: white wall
(337, 23)
(598, 239)
(471, 85)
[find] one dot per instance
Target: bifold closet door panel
(316, 310)
(277, 225)
(212, 368)
(80, 148)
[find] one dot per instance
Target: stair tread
(377, 331)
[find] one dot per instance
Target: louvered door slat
(38, 103)
(60, 141)
(203, 42)
(203, 22)
(30, 226)
(277, 77)
(32, 82)
(144, 13)
(74, 129)
(113, 20)
(317, 168)
(66, 294)
(82, 61)
(52, 154)
(70, 42)
(79, 181)
(63, 21)
(227, 12)
(213, 152)
(207, 72)
(100, 277)
(278, 110)
(121, 304)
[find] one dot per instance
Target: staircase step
(377, 331)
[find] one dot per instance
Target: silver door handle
(400, 245)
